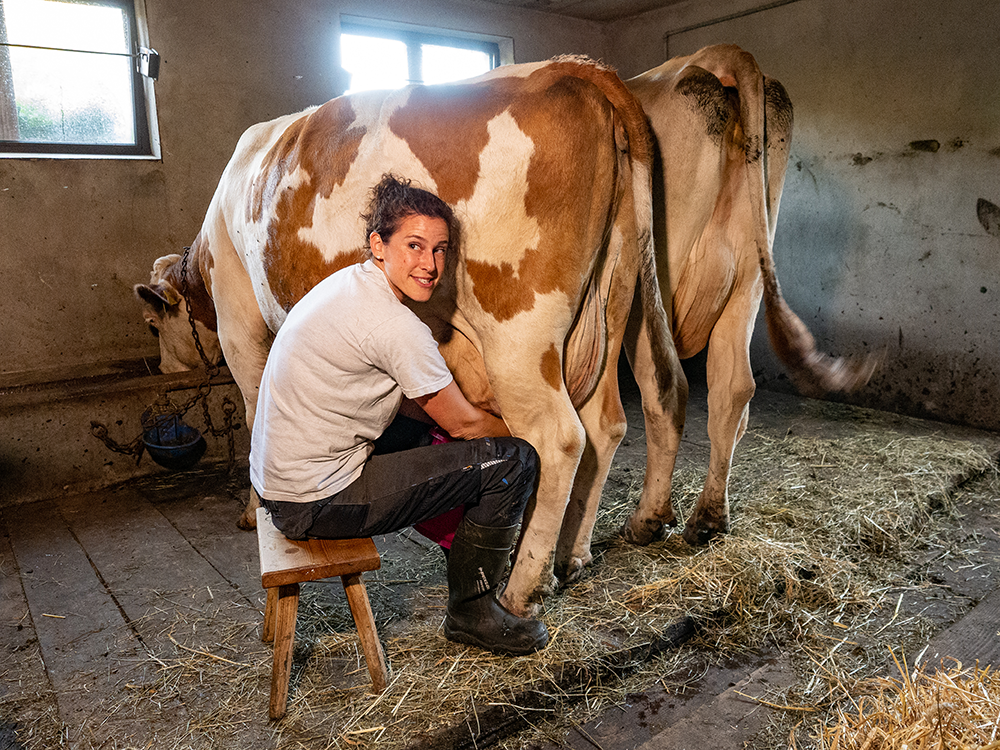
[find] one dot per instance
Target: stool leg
(272, 598)
(357, 598)
(286, 609)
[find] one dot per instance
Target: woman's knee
(520, 450)
(507, 481)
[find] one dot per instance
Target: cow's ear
(160, 296)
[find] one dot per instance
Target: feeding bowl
(172, 443)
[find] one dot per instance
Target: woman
(336, 374)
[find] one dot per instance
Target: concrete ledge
(28, 389)
(46, 446)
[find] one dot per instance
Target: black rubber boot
(476, 563)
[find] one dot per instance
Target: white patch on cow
(380, 151)
(500, 195)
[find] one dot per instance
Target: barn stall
(132, 605)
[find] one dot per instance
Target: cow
(548, 167)
(723, 134)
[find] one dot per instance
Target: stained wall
(888, 237)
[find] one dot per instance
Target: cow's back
(533, 158)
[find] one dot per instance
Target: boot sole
(461, 636)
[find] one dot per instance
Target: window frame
(413, 36)
(146, 142)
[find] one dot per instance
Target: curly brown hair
(393, 199)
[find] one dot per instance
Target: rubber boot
(475, 566)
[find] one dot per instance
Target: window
(70, 80)
(392, 56)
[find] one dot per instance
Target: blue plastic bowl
(173, 444)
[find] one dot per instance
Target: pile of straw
(823, 528)
(957, 708)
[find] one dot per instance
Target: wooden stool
(284, 564)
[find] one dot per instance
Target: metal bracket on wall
(148, 61)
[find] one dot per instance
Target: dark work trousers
(492, 477)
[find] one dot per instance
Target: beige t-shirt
(346, 354)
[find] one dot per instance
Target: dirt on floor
(131, 617)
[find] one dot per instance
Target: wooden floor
(105, 593)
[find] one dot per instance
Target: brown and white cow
(724, 132)
(548, 168)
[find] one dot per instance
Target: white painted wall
(896, 140)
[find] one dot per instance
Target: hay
(825, 534)
(957, 708)
(814, 549)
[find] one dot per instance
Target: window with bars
(72, 78)
(388, 56)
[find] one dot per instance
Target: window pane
(73, 97)
(373, 63)
(444, 64)
(44, 23)
(63, 96)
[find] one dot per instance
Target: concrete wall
(75, 235)
(878, 248)
(895, 152)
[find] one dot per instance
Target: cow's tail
(655, 313)
(813, 373)
(638, 141)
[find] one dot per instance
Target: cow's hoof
(527, 610)
(644, 532)
(247, 521)
(573, 570)
(700, 535)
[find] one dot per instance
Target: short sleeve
(405, 350)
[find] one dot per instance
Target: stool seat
(284, 564)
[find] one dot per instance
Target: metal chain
(137, 446)
(211, 369)
(133, 448)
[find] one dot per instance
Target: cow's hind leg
(604, 422)
(538, 410)
(663, 412)
(730, 388)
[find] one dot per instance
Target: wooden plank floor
(105, 593)
(116, 585)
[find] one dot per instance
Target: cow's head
(166, 313)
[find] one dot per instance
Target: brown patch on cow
(194, 285)
(567, 109)
(430, 121)
(324, 145)
(551, 367)
(582, 154)
(275, 166)
(497, 289)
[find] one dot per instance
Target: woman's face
(413, 258)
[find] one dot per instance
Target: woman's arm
(460, 419)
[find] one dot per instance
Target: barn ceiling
(592, 10)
